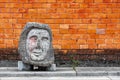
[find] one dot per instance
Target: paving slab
(98, 71)
(14, 72)
(114, 77)
(61, 72)
(55, 78)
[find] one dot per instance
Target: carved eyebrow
(33, 36)
(44, 38)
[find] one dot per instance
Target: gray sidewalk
(60, 78)
(62, 73)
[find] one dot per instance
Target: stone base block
(23, 66)
(52, 67)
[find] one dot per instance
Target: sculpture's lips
(37, 51)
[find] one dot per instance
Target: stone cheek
(37, 44)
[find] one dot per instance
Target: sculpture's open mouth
(37, 54)
(37, 51)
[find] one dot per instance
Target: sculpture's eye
(44, 38)
(33, 38)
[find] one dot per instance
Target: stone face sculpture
(35, 47)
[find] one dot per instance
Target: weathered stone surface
(100, 31)
(35, 45)
(59, 78)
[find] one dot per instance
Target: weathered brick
(75, 36)
(60, 10)
(59, 21)
(83, 5)
(85, 36)
(92, 31)
(79, 0)
(102, 46)
(100, 41)
(1, 41)
(110, 31)
(57, 36)
(68, 21)
(93, 46)
(74, 5)
(75, 16)
(111, 26)
(77, 21)
(2, 31)
(17, 26)
(27, 5)
(81, 41)
(108, 41)
(17, 31)
(4, 21)
(82, 31)
(5, 15)
(4, 10)
(98, 1)
(49, 21)
(116, 41)
(72, 31)
(55, 31)
(57, 46)
(86, 21)
(89, 1)
(2, 46)
(101, 26)
(16, 15)
(94, 36)
(66, 36)
(64, 26)
(95, 21)
(18, 5)
(83, 46)
(23, 1)
(75, 46)
(8, 41)
(65, 5)
(7, 26)
(65, 0)
(10, 31)
(102, 5)
(70, 10)
(54, 26)
(4, 0)
(74, 26)
(105, 21)
(66, 46)
(106, 1)
(92, 26)
(50, 0)
(91, 41)
(9, 5)
(113, 16)
(55, 42)
(64, 31)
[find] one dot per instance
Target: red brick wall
(76, 24)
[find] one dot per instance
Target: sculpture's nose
(38, 44)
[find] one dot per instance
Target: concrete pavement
(62, 73)
(62, 78)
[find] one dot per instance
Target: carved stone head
(35, 46)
